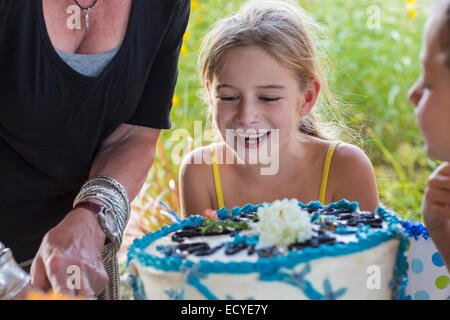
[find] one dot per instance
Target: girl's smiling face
(254, 94)
(431, 93)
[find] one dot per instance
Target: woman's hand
(75, 244)
(436, 200)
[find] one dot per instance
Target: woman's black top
(53, 120)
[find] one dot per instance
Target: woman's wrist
(110, 193)
(90, 222)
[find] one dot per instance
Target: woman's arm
(127, 155)
(353, 178)
(78, 239)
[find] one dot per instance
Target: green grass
(371, 70)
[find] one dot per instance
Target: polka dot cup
(428, 278)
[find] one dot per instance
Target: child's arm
(436, 210)
(353, 178)
(194, 185)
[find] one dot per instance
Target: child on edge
(431, 96)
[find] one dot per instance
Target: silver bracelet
(109, 198)
(113, 202)
(12, 278)
(107, 186)
(115, 198)
(112, 183)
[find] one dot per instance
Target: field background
(372, 62)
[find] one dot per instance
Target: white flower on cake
(283, 223)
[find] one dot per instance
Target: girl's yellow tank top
(323, 186)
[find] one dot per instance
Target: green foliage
(211, 225)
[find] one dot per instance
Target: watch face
(111, 224)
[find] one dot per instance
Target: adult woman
(80, 104)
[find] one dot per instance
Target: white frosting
(365, 275)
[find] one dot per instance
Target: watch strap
(96, 209)
(91, 206)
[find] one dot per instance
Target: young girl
(262, 78)
(431, 96)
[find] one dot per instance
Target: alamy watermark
(249, 146)
(74, 20)
(374, 279)
(374, 20)
(73, 281)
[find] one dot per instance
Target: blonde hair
(288, 34)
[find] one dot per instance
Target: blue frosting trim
(399, 282)
(298, 280)
(415, 229)
(346, 230)
(369, 238)
(175, 295)
(193, 276)
(137, 286)
(250, 240)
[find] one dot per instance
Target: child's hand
(436, 201)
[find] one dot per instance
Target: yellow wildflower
(186, 36)
(184, 50)
(176, 101)
(194, 4)
(412, 12)
(411, 7)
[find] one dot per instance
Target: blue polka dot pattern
(427, 276)
(437, 260)
(421, 295)
(416, 266)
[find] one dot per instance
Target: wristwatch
(106, 218)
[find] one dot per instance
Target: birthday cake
(283, 250)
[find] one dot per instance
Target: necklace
(86, 10)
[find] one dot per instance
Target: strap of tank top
(326, 170)
(217, 180)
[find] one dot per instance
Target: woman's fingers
(39, 277)
(86, 278)
(59, 274)
(70, 256)
(93, 284)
